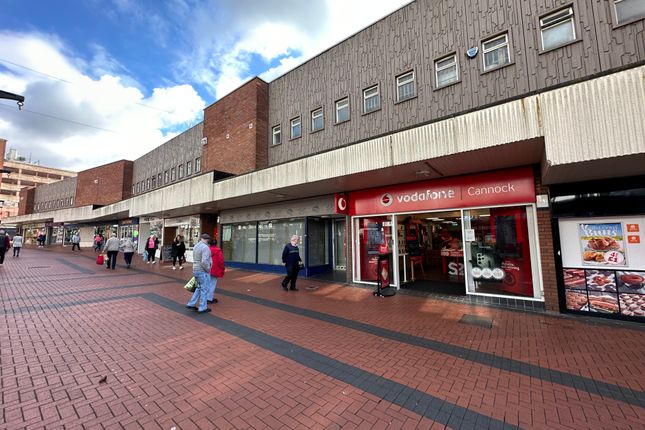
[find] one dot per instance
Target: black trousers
(112, 259)
(151, 253)
(2, 251)
(76, 245)
(127, 256)
(16, 251)
(292, 276)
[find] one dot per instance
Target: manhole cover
(476, 320)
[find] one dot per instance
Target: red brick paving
(167, 369)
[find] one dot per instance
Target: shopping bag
(145, 256)
(100, 259)
(191, 285)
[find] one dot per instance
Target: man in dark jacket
(292, 262)
(5, 244)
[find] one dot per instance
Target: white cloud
(78, 121)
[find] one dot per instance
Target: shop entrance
(430, 249)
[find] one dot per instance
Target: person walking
(76, 241)
(151, 248)
(292, 262)
(178, 251)
(217, 270)
(202, 263)
(128, 250)
(5, 244)
(41, 239)
(17, 244)
(112, 248)
(98, 242)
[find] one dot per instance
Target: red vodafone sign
(513, 186)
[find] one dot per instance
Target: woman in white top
(17, 245)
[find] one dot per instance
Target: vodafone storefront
(473, 234)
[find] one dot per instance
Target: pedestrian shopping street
(84, 347)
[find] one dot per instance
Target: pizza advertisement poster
(602, 244)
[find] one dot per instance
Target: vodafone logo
(387, 199)
(342, 204)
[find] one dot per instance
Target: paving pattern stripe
(416, 401)
(581, 383)
(50, 306)
(74, 266)
(63, 277)
(93, 290)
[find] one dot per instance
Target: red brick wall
(245, 149)
(546, 250)
(26, 198)
(114, 183)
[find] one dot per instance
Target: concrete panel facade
(56, 195)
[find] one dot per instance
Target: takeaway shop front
(465, 235)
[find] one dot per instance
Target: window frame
(438, 69)
(166, 177)
(276, 135)
(173, 174)
(399, 84)
(556, 22)
(198, 165)
(138, 187)
(154, 181)
(299, 119)
(180, 171)
(147, 184)
(614, 16)
(313, 118)
(377, 94)
(189, 168)
(159, 180)
(346, 106)
(506, 44)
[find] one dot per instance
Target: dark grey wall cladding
(414, 37)
(178, 150)
(56, 190)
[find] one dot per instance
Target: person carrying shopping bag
(201, 270)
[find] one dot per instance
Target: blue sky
(112, 79)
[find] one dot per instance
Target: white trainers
(174, 268)
(147, 262)
(181, 267)
(153, 262)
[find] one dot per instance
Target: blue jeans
(211, 289)
(203, 281)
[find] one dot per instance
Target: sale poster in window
(602, 244)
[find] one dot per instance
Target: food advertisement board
(604, 271)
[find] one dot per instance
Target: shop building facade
(403, 107)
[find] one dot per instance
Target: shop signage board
(604, 265)
(513, 186)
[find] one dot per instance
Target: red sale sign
(513, 186)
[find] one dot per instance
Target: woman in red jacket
(217, 270)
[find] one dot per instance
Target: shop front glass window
(498, 251)
(318, 241)
(238, 242)
(274, 235)
(374, 237)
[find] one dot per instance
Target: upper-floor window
(138, 187)
(342, 110)
(317, 119)
(166, 177)
(405, 86)
(296, 128)
(276, 133)
(189, 168)
(371, 99)
(173, 174)
(148, 184)
(446, 71)
(154, 181)
(133, 189)
(629, 10)
(496, 52)
(557, 28)
(198, 164)
(180, 171)
(159, 180)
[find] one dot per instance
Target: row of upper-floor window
(54, 204)
(171, 175)
(34, 173)
(557, 29)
